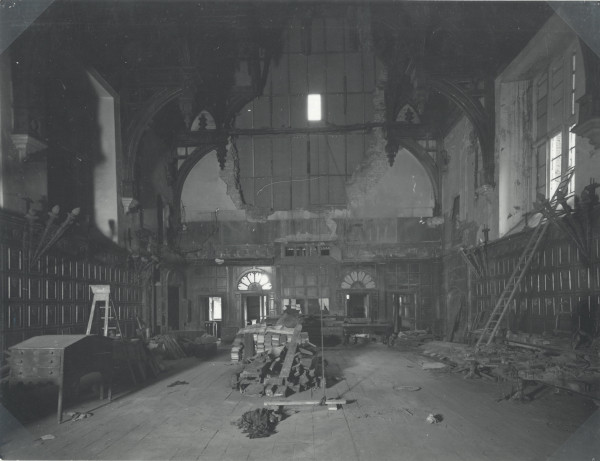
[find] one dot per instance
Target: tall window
(541, 170)
(571, 159)
(555, 151)
(573, 67)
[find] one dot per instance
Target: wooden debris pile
(291, 366)
(410, 337)
(134, 361)
(167, 346)
(574, 370)
(259, 423)
(199, 347)
(255, 339)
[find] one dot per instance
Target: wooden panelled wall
(314, 280)
(557, 282)
(53, 295)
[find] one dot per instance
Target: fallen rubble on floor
(277, 361)
(260, 422)
(537, 360)
(410, 338)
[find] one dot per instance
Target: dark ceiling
(447, 38)
(148, 44)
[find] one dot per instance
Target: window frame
(545, 135)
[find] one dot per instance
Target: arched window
(358, 280)
(254, 281)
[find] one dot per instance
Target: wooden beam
(280, 403)
(401, 130)
(286, 368)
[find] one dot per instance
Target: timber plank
(289, 356)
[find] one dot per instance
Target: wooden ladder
(508, 293)
(106, 311)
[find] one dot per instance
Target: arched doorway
(359, 291)
(256, 295)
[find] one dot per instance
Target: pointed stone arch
(481, 117)
(431, 168)
(138, 125)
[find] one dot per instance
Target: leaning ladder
(107, 312)
(493, 323)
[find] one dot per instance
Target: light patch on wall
(204, 191)
(403, 191)
(313, 105)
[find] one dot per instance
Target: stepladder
(103, 315)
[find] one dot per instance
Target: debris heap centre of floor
(275, 361)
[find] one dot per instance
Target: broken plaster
(375, 165)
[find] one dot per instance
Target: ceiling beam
(401, 130)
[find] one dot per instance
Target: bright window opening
(215, 308)
(314, 107)
(573, 68)
(571, 160)
(555, 162)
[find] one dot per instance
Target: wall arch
(482, 120)
(140, 121)
(431, 168)
(182, 174)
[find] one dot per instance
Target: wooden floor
(382, 421)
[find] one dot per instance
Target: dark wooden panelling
(279, 76)
(318, 35)
(281, 111)
(334, 28)
(355, 108)
(298, 74)
(52, 297)
(334, 108)
(262, 112)
(353, 72)
(336, 147)
(317, 76)
(335, 73)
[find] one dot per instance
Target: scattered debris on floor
(432, 365)
(538, 360)
(434, 419)
(410, 338)
(260, 422)
(177, 383)
(407, 388)
(167, 346)
(200, 346)
(76, 416)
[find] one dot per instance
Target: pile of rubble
(575, 370)
(177, 346)
(256, 339)
(275, 361)
(410, 338)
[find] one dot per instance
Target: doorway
(404, 308)
(173, 307)
(212, 313)
(357, 305)
(255, 308)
